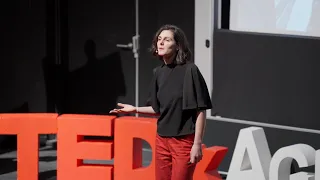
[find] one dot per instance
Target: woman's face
(166, 44)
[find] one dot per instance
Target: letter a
(251, 157)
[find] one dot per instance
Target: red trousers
(172, 157)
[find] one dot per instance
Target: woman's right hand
(125, 108)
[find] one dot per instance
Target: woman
(180, 97)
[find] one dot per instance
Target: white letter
(317, 166)
(302, 176)
(251, 157)
(282, 159)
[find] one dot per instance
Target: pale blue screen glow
(296, 17)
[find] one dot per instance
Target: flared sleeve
(195, 90)
(153, 89)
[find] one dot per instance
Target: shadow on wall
(95, 88)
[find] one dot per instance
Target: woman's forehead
(166, 33)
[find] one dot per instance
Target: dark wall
(73, 59)
(100, 74)
(23, 46)
(266, 78)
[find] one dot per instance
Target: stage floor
(47, 163)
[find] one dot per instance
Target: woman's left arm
(196, 151)
(197, 95)
(200, 127)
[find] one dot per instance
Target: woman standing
(179, 95)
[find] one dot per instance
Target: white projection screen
(293, 17)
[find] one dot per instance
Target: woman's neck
(169, 60)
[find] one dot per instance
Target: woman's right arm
(127, 108)
(146, 110)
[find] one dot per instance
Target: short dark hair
(184, 52)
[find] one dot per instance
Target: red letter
(72, 149)
(206, 169)
(128, 156)
(27, 127)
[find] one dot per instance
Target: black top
(177, 93)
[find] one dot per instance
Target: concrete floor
(47, 164)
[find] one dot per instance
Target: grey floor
(47, 163)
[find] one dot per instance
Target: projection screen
(293, 17)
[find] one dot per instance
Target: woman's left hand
(195, 153)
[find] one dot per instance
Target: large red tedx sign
(125, 149)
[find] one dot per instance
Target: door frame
(206, 21)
